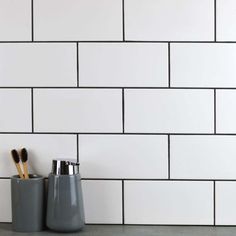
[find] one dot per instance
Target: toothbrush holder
(28, 203)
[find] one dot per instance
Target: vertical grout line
(214, 111)
(77, 63)
(169, 64)
(168, 156)
(123, 110)
(32, 109)
(214, 202)
(215, 20)
(77, 147)
(123, 203)
(32, 20)
(123, 19)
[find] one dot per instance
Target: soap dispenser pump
(65, 211)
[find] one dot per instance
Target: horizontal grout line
(180, 225)
(119, 87)
(148, 225)
(59, 133)
(35, 41)
(120, 133)
(167, 225)
(118, 41)
(10, 177)
(166, 180)
(153, 180)
(102, 224)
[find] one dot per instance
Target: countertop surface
(121, 230)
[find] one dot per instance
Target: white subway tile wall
(225, 203)
(141, 92)
(169, 20)
(167, 111)
(203, 65)
(160, 202)
(42, 148)
(15, 107)
(5, 206)
(203, 157)
(123, 64)
(78, 110)
(102, 201)
(77, 20)
(226, 110)
(103, 156)
(226, 20)
(38, 64)
(15, 20)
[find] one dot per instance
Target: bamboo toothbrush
(24, 159)
(16, 160)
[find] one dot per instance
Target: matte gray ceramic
(65, 212)
(27, 203)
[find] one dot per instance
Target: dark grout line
(214, 203)
(152, 180)
(121, 133)
(123, 111)
(77, 63)
(176, 225)
(123, 202)
(215, 111)
(32, 109)
(104, 224)
(215, 29)
(169, 75)
(103, 179)
(165, 180)
(116, 88)
(32, 20)
(168, 156)
(165, 225)
(123, 20)
(43, 133)
(77, 147)
(119, 41)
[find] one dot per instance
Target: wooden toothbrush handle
(25, 167)
(19, 170)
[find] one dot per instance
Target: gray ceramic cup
(28, 203)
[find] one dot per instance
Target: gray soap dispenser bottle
(65, 212)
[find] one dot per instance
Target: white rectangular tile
(203, 65)
(78, 19)
(123, 64)
(163, 202)
(203, 157)
(42, 149)
(123, 156)
(169, 20)
(102, 201)
(5, 200)
(225, 111)
(177, 111)
(15, 106)
(15, 20)
(78, 110)
(225, 203)
(38, 64)
(226, 19)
